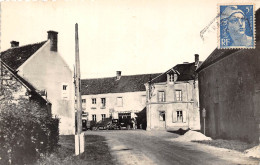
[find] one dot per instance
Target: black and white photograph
(129, 82)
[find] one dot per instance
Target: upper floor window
(94, 101)
(178, 95)
(171, 77)
(161, 96)
(64, 87)
(65, 91)
(103, 102)
(83, 101)
(119, 101)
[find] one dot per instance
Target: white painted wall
(132, 102)
(47, 70)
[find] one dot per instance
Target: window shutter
(184, 116)
(174, 116)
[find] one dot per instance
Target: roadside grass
(228, 144)
(96, 152)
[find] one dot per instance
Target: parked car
(102, 125)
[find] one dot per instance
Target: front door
(162, 123)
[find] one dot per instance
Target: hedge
(26, 132)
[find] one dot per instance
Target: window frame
(179, 92)
(94, 117)
(93, 101)
(64, 87)
(163, 96)
(163, 117)
(103, 117)
(103, 104)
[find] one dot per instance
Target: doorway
(162, 122)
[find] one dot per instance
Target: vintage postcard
(130, 82)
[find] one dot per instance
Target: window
(65, 91)
(83, 103)
(94, 101)
(103, 102)
(171, 77)
(179, 116)
(161, 96)
(162, 115)
(103, 117)
(178, 95)
(94, 118)
(119, 101)
(64, 87)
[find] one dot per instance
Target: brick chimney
(196, 59)
(14, 44)
(118, 75)
(53, 37)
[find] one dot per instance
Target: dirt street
(134, 147)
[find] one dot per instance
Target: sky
(132, 36)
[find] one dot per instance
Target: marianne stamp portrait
(236, 26)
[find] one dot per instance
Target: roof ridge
(41, 42)
(121, 76)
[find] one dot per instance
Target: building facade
(229, 85)
(172, 99)
(117, 97)
(42, 65)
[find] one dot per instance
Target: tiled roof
(15, 57)
(219, 54)
(131, 83)
(186, 72)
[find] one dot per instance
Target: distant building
(172, 99)
(41, 65)
(119, 97)
(229, 89)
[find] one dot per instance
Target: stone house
(13, 87)
(172, 99)
(119, 96)
(41, 65)
(229, 85)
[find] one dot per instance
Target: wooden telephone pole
(79, 137)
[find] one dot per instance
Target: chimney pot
(53, 37)
(118, 75)
(14, 44)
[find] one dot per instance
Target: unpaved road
(138, 147)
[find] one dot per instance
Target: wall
(189, 104)
(132, 101)
(46, 70)
(230, 93)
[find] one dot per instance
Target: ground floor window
(179, 116)
(94, 118)
(162, 115)
(103, 117)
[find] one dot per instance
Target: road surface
(138, 147)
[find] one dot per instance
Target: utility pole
(79, 137)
